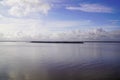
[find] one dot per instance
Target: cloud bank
(72, 35)
(25, 7)
(96, 8)
(39, 29)
(36, 29)
(98, 34)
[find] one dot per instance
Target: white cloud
(12, 28)
(17, 28)
(33, 29)
(97, 8)
(25, 7)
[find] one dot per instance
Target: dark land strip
(67, 42)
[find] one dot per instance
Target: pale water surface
(89, 61)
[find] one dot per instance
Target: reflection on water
(89, 61)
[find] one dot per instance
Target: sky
(59, 20)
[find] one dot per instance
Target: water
(89, 61)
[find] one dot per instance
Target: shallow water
(89, 61)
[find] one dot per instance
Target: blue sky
(29, 17)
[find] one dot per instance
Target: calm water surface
(89, 61)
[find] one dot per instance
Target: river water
(40, 61)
